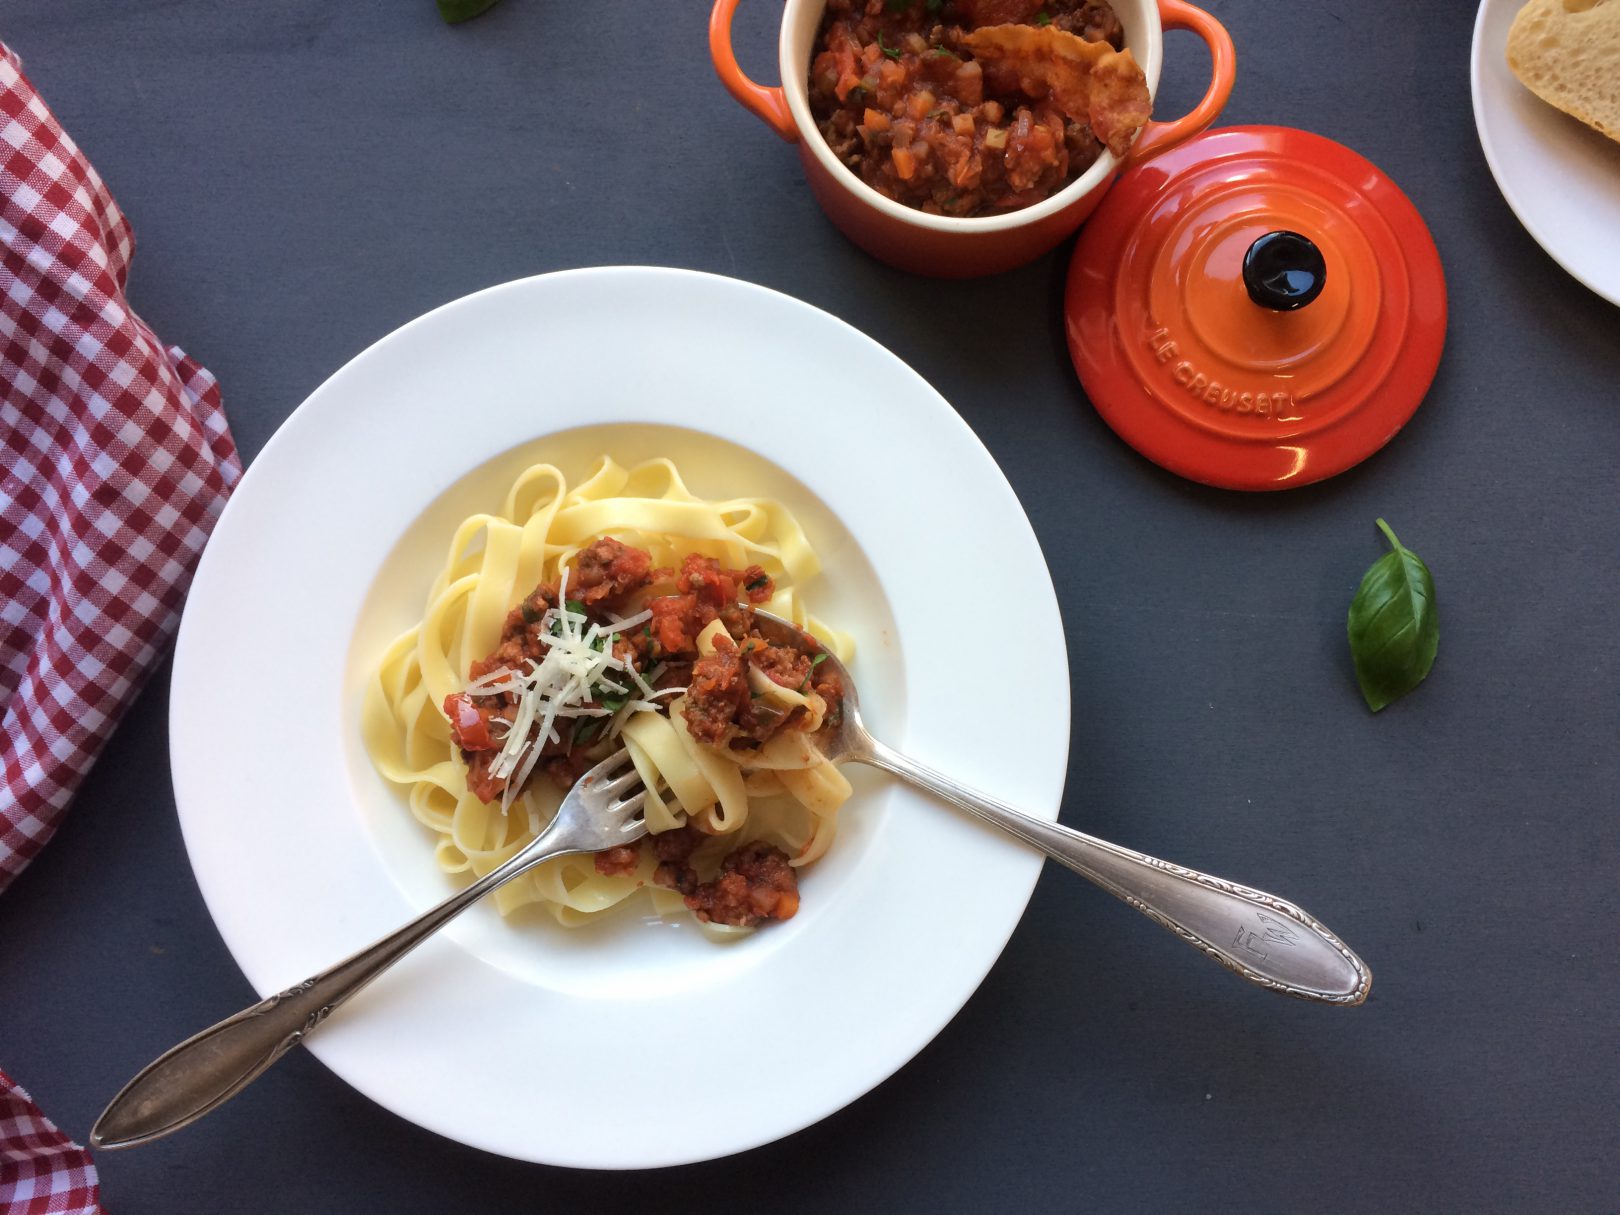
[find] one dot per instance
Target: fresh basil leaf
(457, 11)
(1394, 625)
(575, 606)
(891, 51)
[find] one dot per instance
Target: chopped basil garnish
(890, 51)
(575, 606)
(1042, 19)
(586, 729)
(814, 663)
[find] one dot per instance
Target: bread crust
(1565, 51)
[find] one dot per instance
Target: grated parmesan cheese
(578, 664)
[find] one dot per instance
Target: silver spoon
(1265, 939)
(601, 811)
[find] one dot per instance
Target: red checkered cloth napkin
(115, 461)
(42, 1171)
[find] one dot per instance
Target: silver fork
(602, 810)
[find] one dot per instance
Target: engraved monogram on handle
(1265, 939)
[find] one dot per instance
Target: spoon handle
(1265, 939)
(209, 1068)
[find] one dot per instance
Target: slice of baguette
(1567, 52)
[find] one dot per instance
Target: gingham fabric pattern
(115, 461)
(42, 1171)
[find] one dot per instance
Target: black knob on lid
(1283, 271)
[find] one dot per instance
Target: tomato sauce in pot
(905, 105)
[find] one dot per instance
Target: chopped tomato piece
(468, 724)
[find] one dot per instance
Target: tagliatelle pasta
(781, 791)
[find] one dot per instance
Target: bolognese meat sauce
(905, 105)
(755, 882)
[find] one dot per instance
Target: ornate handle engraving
(1265, 939)
(210, 1068)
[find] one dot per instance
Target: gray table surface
(305, 176)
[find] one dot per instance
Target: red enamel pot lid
(1258, 308)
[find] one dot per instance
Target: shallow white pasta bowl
(519, 1036)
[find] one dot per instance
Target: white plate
(1561, 178)
(636, 1042)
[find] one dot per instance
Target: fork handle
(1265, 939)
(209, 1068)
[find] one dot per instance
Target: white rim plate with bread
(1546, 85)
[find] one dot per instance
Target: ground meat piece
(781, 665)
(676, 673)
(511, 653)
(480, 783)
(620, 861)
(674, 852)
(678, 845)
(522, 622)
(831, 689)
(755, 883)
(1094, 21)
(717, 695)
(608, 572)
(568, 766)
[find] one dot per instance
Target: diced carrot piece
(921, 102)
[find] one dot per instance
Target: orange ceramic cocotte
(1258, 308)
(948, 246)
